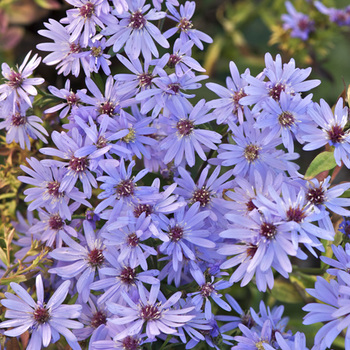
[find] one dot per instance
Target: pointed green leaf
(323, 161)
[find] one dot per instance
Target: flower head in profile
(45, 320)
(18, 85)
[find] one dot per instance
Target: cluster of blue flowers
(149, 262)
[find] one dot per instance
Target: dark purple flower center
(17, 119)
(268, 230)
(250, 205)
(176, 233)
(316, 195)
(346, 228)
(143, 208)
(295, 214)
(286, 119)
(53, 189)
(75, 48)
(96, 257)
(150, 312)
(201, 195)
(101, 142)
(275, 91)
(133, 240)
(251, 153)
(72, 99)
(87, 10)
(145, 79)
(130, 343)
(41, 315)
(56, 222)
(125, 188)
(15, 79)
(251, 250)
(174, 59)
(304, 24)
(98, 318)
(185, 127)
(174, 87)
(108, 108)
(79, 164)
(96, 51)
(207, 289)
(137, 20)
(248, 320)
(237, 95)
(336, 134)
(127, 275)
(185, 24)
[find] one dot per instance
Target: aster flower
(64, 53)
(20, 127)
(53, 226)
(273, 240)
(322, 196)
(77, 167)
(45, 320)
(134, 32)
(206, 290)
(339, 16)
(46, 193)
(168, 94)
(159, 317)
(333, 309)
(208, 192)
(285, 78)
(118, 278)
(85, 260)
(181, 58)
(158, 3)
(18, 85)
(299, 23)
(254, 150)
(185, 26)
(120, 187)
(129, 239)
(98, 142)
(108, 103)
(83, 20)
(72, 99)
(331, 130)
(97, 59)
(184, 139)
(140, 77)
(185, 231)
(228, 106)
(92, 316)
(287, 118)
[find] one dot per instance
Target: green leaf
(286, 292)
(323, 161)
